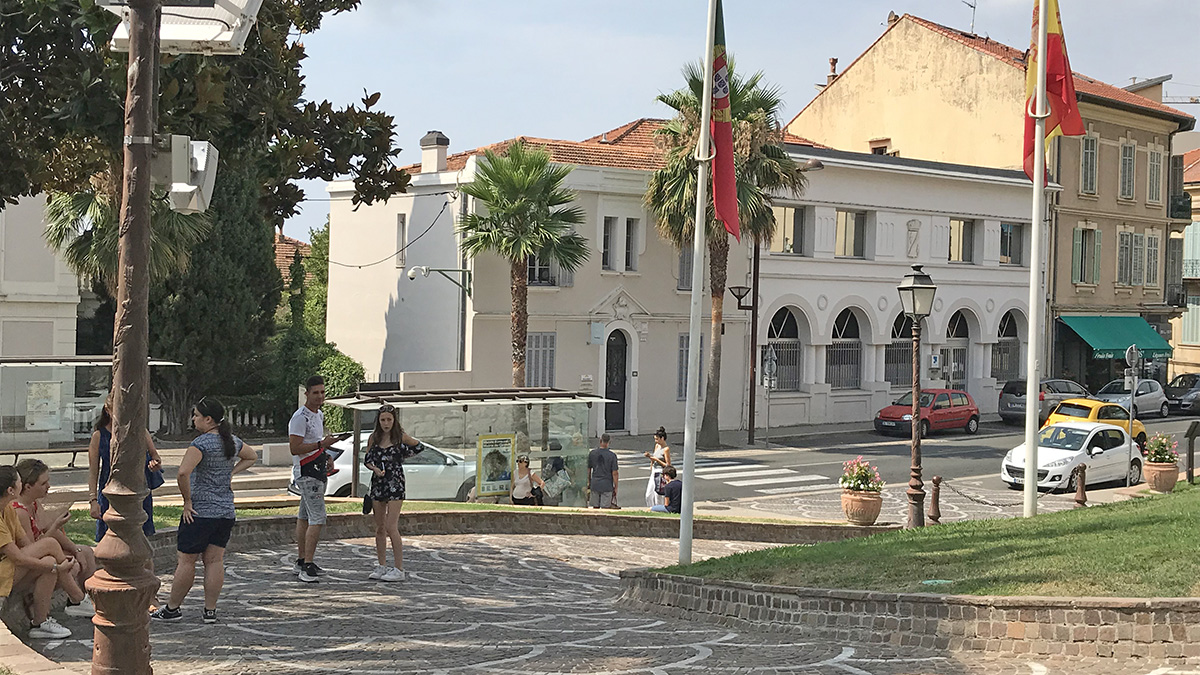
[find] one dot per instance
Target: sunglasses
(522, 460)
(387, 408)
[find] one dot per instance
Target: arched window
(897, 358)
(843, 359)
(1006, 353)
(958, 328)
(783, 341)
(957, 351)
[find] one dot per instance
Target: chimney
(433, 152)
(833, 74)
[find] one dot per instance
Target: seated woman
(523, 484)
(35, 485)
(29, 567)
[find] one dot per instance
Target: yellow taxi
(1087, 410)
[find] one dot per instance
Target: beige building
(1185, 333)
(927, 91)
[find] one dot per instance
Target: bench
(16, 454)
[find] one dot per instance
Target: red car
(940, 409)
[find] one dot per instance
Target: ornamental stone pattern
(1156, 628)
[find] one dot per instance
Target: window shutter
(1138, 268)
(1077, 257)
(1096, 258)
(562, 277)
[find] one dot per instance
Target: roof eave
(1185, 122)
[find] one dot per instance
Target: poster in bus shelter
(496, 461)
(43, 406)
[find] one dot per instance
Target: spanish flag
(724, 179)
(1064, 117)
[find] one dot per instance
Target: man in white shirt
(308, 441)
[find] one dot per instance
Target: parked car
(1105, 448)
(1053, 392)
(1091, 410)
(1150, 396)
(940, 409)
(432, 474)
(1183, 392)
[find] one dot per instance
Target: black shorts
(194, 537)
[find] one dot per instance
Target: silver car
(1150, 396)
(1012, 398)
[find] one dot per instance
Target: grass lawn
(1148, 547)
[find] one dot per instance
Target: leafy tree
(342, 376)
(316, 291)
(529, 213)
(762, 167)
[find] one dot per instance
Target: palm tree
(83, 228)
(529, 213)
(762, 167)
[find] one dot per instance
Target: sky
(482, 71)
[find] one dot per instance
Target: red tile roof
(1191, 166)
(285, 252)
(1083, 84)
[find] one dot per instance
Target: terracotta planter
(861, 508)
(1161, 476)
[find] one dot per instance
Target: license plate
(1017, 406)
(1175, 401)
(888, 424)
(1019, 480)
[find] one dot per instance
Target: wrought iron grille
(843, 364)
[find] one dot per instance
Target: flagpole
(693, 373)
(1033, 407)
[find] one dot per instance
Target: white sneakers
(392, 574)
(49, 630)
(84, 609)
(380, 570)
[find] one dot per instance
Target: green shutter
(1096, 258)
(1076, 256)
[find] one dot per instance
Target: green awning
(1110, 336)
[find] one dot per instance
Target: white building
(619, 325)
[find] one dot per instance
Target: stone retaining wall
(1106, 627)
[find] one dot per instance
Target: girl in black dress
(388, 447)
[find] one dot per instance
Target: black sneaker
(165, 613)
(210, 616)
(316, 569)
(308, 574)
(298, 566)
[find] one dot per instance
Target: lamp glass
(917, 292)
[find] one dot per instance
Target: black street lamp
(916, 296)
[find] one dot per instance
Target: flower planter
(1160, 476)
(861, 507)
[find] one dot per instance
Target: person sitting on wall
(672, 492)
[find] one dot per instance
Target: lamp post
(916, 296)
(811, 165)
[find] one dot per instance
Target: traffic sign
(1132, 356)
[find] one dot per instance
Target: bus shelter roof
(372, 400)
(71, 361)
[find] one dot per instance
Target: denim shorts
(312, 500)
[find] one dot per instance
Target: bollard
(1081, 487)
(935, 507)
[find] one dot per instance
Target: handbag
(556, 484)
(367, 504)
(537, 495)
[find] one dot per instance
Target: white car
(431, 474)
(1106, 449)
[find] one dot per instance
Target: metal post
(1081, 487)
(767, 431)
(125, 586)
(935, 501)
(1036, 296)
(357, 422)
(691, 419)
(753, 341)
(916, 493)
(1132, 404)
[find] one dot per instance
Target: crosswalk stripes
(742, 474)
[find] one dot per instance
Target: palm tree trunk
(718, 248)
(520, 319)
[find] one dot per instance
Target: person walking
(602, 476)
(388, 447)
(206, 484)
(659, 460)
(100, 465)
(672, 493)
(35, 485)
(308, 441)
(522, 493)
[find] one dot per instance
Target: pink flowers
(858, 474)
(1161, 449)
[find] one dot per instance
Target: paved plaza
(502, 605)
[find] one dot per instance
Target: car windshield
(1115, 387)
(1185, 381)
(926, 399)
(1073, 410)
(1062, 438)
(1014, 388)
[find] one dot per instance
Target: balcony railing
(1175, 295)
(1191, 268)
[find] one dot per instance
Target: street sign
(1132, 356)
(1130, 372)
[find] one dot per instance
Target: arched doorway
(783, 338)
(955, 351)
(843, 358)
(1006, 353)
(616, 382)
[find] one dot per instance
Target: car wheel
(1164, 410)
(464, 491)
(343, 491)
(924, 428)
(1135, 472)
(1072, 483)
(972, 425)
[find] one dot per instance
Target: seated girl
(35, 485)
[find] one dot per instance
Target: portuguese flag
(724, 181)
(1064, 117)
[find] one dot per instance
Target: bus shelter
(490, 427)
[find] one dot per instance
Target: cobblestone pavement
(996, 503)
(505, 606)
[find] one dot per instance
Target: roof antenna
(972, 4)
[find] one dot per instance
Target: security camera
(412, 273)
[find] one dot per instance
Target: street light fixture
(424, 270)
(916, 296)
